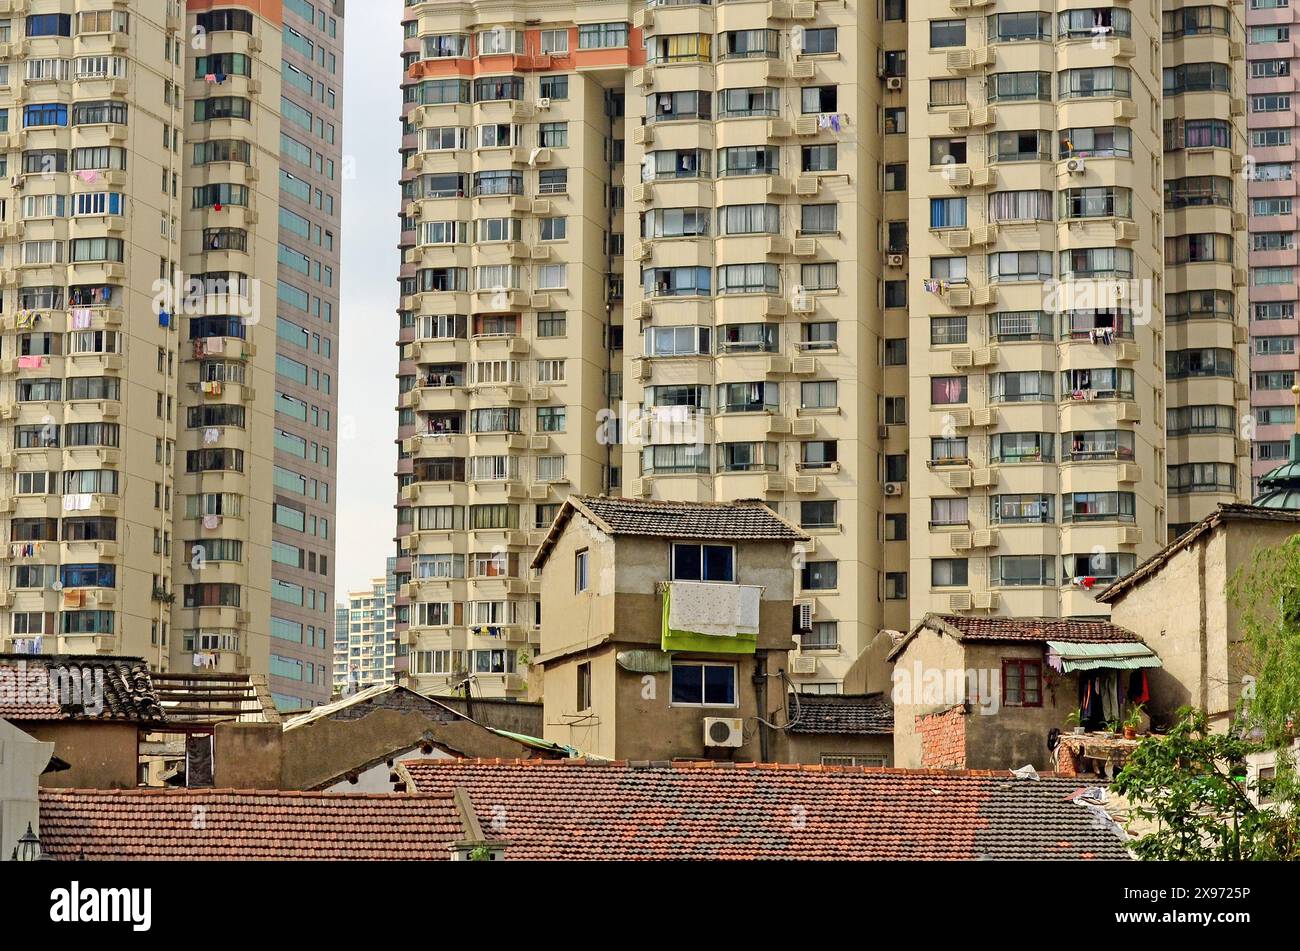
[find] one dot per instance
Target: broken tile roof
(1005, 629)
(724, 521)
(863, 714)
(217, 824)
(579, 809)
(72, 687)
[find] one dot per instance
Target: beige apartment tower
(955, 287)
(1075, 339)
(142, 152)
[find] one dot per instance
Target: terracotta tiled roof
(575, 809)
(58, 687)
(178, 824)
(1038, 629)
(856, 714)
(724, 521)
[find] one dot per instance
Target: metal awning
(1067, 656)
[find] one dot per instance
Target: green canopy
(1126, 656)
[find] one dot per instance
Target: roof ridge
(232, 791)
(718, 765)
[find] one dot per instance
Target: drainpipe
(760, 702)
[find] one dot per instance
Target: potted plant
(1112, 729)
(1076, 717)
(1132, 722)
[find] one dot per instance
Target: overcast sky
(367, 424)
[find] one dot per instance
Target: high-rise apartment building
(957, 288)
(306, 363)
(1270, 181)
(1075, 354)
(366, 637)
(142, 199)
(511, 235)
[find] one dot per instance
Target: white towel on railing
(722, 610)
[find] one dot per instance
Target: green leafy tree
(1192, 786)
(1266, 594)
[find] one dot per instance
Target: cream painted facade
(508, 285)
(112, 449)
(794, 177)
(1044, 373)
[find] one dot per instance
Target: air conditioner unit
(723, 731)
(894, 83)
(1075, 166)
(803, 617)
(803, 664)
(894, 260)
(544, 102)
(893, 488)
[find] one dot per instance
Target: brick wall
(943, 738)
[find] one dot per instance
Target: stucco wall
(809, 748)
(325, 748)
(103, 755)
(932, 651)
(1185, 615)
(1011, 737)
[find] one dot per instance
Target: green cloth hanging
(703, 643)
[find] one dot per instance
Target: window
(818, 394)
(818, 158)
(580, 562)
(819, 219)
(1022, 571)
(947, 92)
(947, 390)
(697, 684)
(948, 512)
(1022, 683)
(593, 36)
(948, 573)
(1099, 81)
(584, 686)
(947, 213)
(945, 33)
(1023, 510)
(1020, 87)
(693, 562)
(821, 40)
(817, 514)
(819, 576)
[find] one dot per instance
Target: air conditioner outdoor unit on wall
(893, 488)
(1075, 166)
(723, 731)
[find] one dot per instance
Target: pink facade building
(1273, 54)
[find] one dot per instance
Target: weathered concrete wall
(809, 748)
(1185, 615)
(247, 756)
(932, 652)
(1003, 737)
(103, 755)
(517, 716)
(324, 749)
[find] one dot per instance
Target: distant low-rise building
(986, 693)
(666, 627)
(1177, 601)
